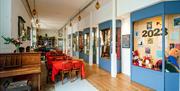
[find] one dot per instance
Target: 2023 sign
(155, 32)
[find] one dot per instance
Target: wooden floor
(102, 80)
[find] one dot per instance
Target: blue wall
(103, 62)
(160, 81)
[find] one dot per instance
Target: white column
(71, 49)
(78, 41)
(67, 45)
(64, 40)
(91, 40)
(113, 43)
(97, 47)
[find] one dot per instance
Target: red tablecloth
(50, 59)
(57, 66)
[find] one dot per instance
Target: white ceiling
(53, 14)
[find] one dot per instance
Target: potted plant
(16, 42)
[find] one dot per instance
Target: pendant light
(79, 17)
(70, 24)
(37, 21)
(34, 10)
(97, 5)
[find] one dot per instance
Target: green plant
(9, 40)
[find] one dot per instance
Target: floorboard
(101, 79)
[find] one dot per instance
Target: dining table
(50, 59)
(57, 66)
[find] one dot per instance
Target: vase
(17, 48)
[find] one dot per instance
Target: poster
(177, 22)
(126, 41)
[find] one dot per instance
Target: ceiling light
(97, 5)
(34, 12)
(70, 24)
(79, 18)
(37, 21)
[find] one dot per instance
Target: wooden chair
(76, 68)
(49, 72)
(67, 67)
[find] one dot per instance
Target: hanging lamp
(70, 24)
(97, 5)
(79, 18)
(34, 10)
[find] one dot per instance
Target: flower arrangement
(9, 40)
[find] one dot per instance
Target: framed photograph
(149, 25)
(28, 33)
(126, 41)
(171, 46)
(147, 50)
(177, 22)
(150, 41)
(21, 29)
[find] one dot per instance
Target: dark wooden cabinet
(28, 69)
(46, 41)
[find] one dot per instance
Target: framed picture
(126, 41)
(147, 50)
(28, 33)
(150, 41)
(21, 29)
(149, 25)
(177, 22)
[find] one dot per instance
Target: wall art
(177, 22)
(126, 41)
(149, 25)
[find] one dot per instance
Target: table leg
(39, 82)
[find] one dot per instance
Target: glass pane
(148, 43)
(118, 43)
(74, 42)
(87, 43)
(81, 42)
(105, 36)
(172, 42)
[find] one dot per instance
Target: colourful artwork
(136, 33)
(149, 25)
(126, 41)
(150, 41)
(159, 54)
(171, 46)
(177, 22)
(147, 50)
(175, 36)
(177, 46)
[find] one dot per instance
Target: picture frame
(150, 41)
(21, 29)
(28, 33)
(126, 41)
(177, 22)
(149, 25)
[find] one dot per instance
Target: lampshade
(97, 5)
(79, 18)
(34, 12)
(70, 24)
